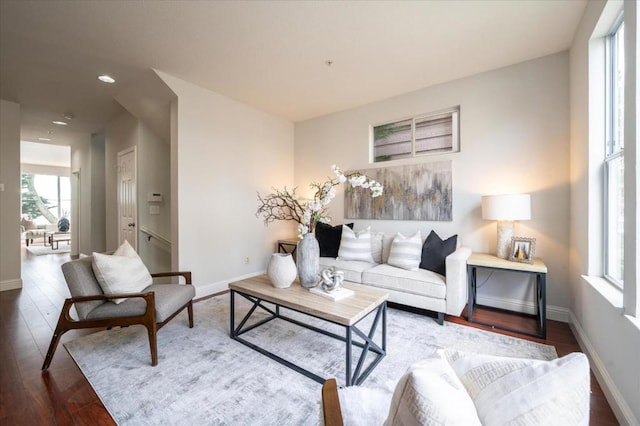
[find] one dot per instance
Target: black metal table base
(540, 296)
(353, 376)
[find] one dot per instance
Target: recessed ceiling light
(106, 79)
(59, 122)
(44, 139)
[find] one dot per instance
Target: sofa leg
(440, 318)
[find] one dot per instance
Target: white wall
(514, 138)
(611, 339)
(10, 196)
(153, 174)
(226, 152)
(155, 165)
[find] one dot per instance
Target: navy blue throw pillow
(435, 251)
(329, 238)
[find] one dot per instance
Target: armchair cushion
(169, 298)
(122, 272)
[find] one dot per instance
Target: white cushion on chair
(430, 393)
(525, 391)
(121, 272)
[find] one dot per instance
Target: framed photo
(522, 249)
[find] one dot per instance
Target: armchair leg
(190, 311)
(440, 319)
(55, 339)
(153, 344)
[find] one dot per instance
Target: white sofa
(420, 288)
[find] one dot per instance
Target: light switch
(154, 209)
(1, 187)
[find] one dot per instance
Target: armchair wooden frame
(148, 319)
(331, 404)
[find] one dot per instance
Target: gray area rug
(205, 378)
(43, 250)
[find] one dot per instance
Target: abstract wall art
(411, 192)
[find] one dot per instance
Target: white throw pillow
(406, 252)
(376, 246)
(525, 391)
(121, 272)
(355, 245)
(431, 394)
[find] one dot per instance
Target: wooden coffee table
(347, 313)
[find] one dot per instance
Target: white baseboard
(217, 287)
(555, 313)
(617, 402)
(11, 284)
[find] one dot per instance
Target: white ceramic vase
(281, 270)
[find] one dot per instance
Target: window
(423, 135)
(46, 198)
(614, 157)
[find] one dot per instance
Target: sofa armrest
(456, 279)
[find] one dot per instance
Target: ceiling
(269, 54)
(43, 154)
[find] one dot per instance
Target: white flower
(306, 217)
(366, 185)
(342, 178)
(315, 205)
(357, 180)
(324, 219)
(302, 229)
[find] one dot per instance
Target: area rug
(203, 377)
(42, 250)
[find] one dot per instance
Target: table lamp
(506, 209)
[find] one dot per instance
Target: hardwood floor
(62, 396)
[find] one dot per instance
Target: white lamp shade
(506, 207)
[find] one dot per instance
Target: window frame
(613, 148)
(455, 135)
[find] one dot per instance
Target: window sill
(608, 291)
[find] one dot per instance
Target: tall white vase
(281, 270)
(308, 255)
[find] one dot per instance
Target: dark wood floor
(62, 396)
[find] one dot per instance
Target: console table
(489, 261)
(288, 246)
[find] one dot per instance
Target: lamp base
(505, 232)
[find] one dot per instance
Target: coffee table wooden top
(347, 311)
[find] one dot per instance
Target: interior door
(127, 197)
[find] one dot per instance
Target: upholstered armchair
(152, 307)
(464, 388)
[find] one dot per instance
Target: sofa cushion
(420, 281)
(122, 272)
(524, 391)
(429, 393)
(352, 268)
(435, 251)
(405, 251)
(355, 245)
(329, 238)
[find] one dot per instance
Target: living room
(525, 127)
